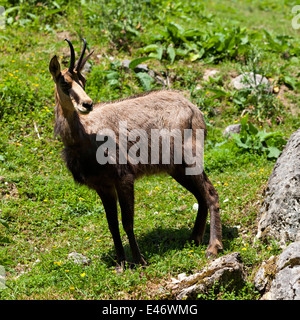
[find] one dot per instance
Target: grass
(49, 216)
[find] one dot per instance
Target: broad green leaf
(192, 33)
(244, 121)
(150, 48)
(175, 29)
(273, 152)
(231, 43)
(114, 83)
(181, 52)
(244, 40)
(218, 92)
(252, 129)
(237, 140)
(112, 75)
(145, 80)
(290, 82)
(171, 53)
(138, 61)
(159, 53)
(194, 56)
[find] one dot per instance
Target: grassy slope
(49, 216)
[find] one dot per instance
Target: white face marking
(80, 99)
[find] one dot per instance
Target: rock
(233, 128)
(161, 80)
(198, 87)
(265, 275)
(286, 285)
(195, 206)
(151, 73)
(290, 257)
(247, 80)
(141, 68)
(79, 258)
(279, 277)
(280, 212)
(210, 73)
(226, 270)
(125, 63)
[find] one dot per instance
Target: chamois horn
(77, 68)
(72, 60)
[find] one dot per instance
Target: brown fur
(155, 110)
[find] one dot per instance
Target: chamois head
(70, 83)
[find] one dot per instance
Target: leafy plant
(161, 52)
(281, 44)
(261, 142)
(256, 97)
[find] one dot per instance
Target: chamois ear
(54, 68)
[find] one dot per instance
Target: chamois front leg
(125, 190)
(109, 200)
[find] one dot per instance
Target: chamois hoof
(141, 262)
(120, 267)
(213, 249)
(195, 241)
(210, 255)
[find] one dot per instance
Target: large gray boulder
(280, 212)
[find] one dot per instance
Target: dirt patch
(286, 101)
(7, 189)
(62, 35)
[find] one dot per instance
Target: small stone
(125, 63)
(79, 258)
(233, 128)
(210, 73)
(195, 206)
(141, 68)
(248, 80)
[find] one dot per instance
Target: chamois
(78, 122)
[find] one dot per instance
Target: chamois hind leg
(109, 200)
(207, 197)
(211, 197)
(200, 223)
(125, 190)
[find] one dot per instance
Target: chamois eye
(64, 84)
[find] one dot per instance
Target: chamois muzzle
(88, 106)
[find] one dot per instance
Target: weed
(260, 142)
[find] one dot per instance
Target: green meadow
(45, 216)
